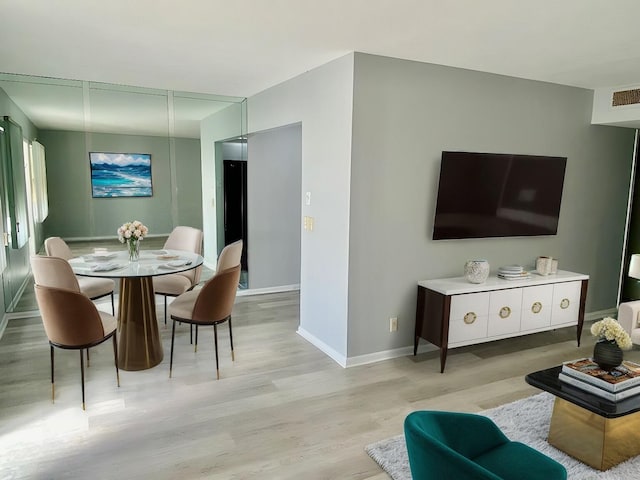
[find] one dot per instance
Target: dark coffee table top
(548, 381)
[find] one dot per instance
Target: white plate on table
(99, 257)
(106, 267)
(167, 257)
(177, 263)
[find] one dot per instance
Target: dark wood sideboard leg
(443, 358)
(583, 302)
(420, 315)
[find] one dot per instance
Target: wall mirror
(74, 117)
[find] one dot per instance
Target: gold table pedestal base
(139, 346)
(597, 441)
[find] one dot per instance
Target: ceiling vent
(626, 97)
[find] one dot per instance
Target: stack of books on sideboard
(620, 383)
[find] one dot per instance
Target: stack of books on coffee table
(513, 272)
(620, 383)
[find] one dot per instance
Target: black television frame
(527, 202)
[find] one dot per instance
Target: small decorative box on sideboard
(451, 312)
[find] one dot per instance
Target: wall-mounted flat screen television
(498, 195)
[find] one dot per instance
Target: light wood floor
(282, 410)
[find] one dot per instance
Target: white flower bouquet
(132, 233)
(608, 329)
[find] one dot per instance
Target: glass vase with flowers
(132, 233)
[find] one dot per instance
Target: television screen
(498, 195)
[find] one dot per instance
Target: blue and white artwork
(120, 174)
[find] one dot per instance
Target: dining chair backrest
(217, 296)
(53, 272)
(70, 318)
(57, 247)
(229, 256)
(188, 239)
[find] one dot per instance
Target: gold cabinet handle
(505, 312)
(564, 304)
(536, 307)
(470, 317)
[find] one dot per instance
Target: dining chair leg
(53, 385)
(173, 336)
(113, 306)
(115, 358)
(165, 310)
(191, 333)
(215, 344)
(195, 346)
(82, 378)
(233, 358)
(88, 361)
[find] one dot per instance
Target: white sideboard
(451, 312)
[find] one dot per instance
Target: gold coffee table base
(139, 346)
(597, 441)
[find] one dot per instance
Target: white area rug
(526, 421)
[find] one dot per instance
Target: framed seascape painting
(120, 174)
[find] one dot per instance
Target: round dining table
(139, 344)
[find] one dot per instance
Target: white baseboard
(611, 312)
(423, 347)
(262, 291)
(109, 237)
(388, 354)
(335, 355)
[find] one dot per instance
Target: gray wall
(274, 176)
(73, 213)
(322, 100)
(405, 114)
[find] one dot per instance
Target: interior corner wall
(321, 100)
(405, 114)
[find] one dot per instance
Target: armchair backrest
(69, 318)
(53, 272)
(442, 444)
(57, 247)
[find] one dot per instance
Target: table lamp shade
(634, 266)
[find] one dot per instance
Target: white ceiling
(242, 47)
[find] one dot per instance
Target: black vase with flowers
(607, 354)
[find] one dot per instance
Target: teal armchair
(466, 446)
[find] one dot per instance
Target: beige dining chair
(229, 257)
(181, 238)
(210, 305)
(71, 320)
(92, 287)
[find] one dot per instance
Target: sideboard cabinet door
(468, 318)
(566, 303)
(504, 312)
(536, 307)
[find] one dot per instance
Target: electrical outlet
(393, 324)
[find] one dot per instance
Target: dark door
(235, 204)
